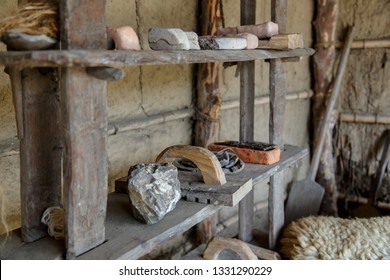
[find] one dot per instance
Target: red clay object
(255, 152)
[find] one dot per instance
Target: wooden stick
(367, 44)
(364, 118)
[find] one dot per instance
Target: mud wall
(366, 90)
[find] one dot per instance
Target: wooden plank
(84, 116)
(247, 107)
(276, 121)
(126, 237)
(237, 185)
(235, 189)
(194, 189)
(96, 58)
(40, 148)
(282, 42)
(290, 156)
(129, 239)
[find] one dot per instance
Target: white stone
(168, 39)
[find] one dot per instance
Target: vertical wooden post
(40, 150)
(323, 64)
(277, 85)
(247, 108)
(208, 104)
(84, 117)
(36, 102)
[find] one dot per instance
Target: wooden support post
(208, 104)
(40, 148)
(277, 107)
(36, 102)
(84, 117)
(247, 108)
(323, 65)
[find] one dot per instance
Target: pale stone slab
(168, 39)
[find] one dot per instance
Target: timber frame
(96, 225)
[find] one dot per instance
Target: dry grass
(33, 19)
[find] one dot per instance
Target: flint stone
(154, 190)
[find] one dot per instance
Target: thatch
(33, 19)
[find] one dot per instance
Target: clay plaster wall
(151, 90)
(366, 89)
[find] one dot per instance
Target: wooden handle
(205, 160)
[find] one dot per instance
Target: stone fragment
(193, 39)
(16, 40)
(252, 42)
(154, 190)
(168, 39)
(222, 43)
(125, 38)
(262, 31)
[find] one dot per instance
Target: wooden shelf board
(238, 185)
(290, 156)
(195, 190)
(126, 237)
(96, 58)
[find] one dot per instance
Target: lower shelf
(126, 237)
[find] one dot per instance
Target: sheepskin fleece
(330, 238)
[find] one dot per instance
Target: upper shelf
(96, 58)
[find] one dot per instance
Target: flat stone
(168, 39)
(154, 190)
(21, 41)
(222, 43)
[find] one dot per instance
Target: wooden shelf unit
(120, 236)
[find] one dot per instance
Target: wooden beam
(277, 84)
(40, 150)
(84, 117)
(36, 102)
(323, 65)
(208, 103)
(98, 58)
(247, 107)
